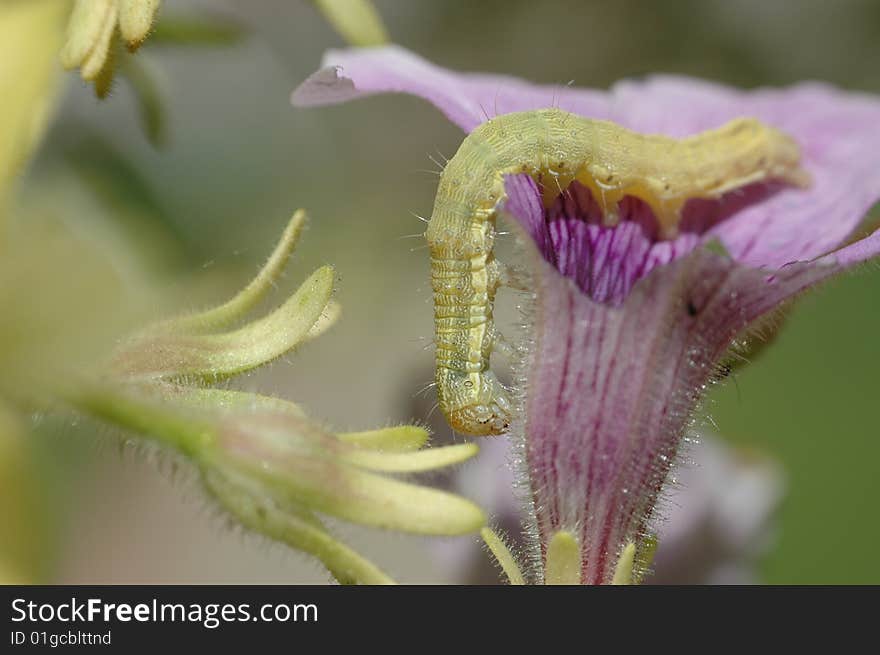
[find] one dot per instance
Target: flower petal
(467, 99)
(136, 19)
(840, 148)
(30, 34)
(294, 527)
(298, 462)
(605, 262)
(836, 131)
(87, 23)
(413, 462)
(94, 62)
(218, 356)
(626, 329)
(611, 390)
(858, 252)
(399, 439)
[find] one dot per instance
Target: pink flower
(627, 329)
(714, 525)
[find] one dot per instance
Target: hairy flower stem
(237, 495)
(182, 433)
(304, 533)
(503, 556)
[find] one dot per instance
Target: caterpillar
(613, 162)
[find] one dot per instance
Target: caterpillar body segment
(559, 148)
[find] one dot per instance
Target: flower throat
(558, 148)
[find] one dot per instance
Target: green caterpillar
(613, 162)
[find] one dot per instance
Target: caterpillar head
(479, 420)
(474, 403)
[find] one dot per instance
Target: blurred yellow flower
(95, 29)
(30, 35)
(21, 530)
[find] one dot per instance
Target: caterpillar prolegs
(612, 162)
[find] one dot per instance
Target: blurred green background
(239, 159)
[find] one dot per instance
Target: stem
(303, 532)
(505, 558)
(181, 432)
(292, 526)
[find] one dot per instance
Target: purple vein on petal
(626, 329)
